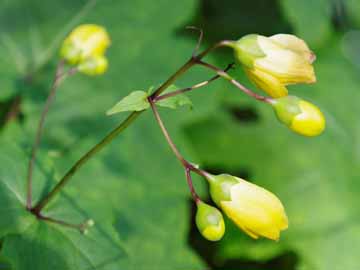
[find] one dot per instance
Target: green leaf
(175, 101)
(135, 101)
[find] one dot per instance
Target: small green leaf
(175, 101)
(135, 101)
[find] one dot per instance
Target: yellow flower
(273, 62)
(299, 115)
(87, 40)
(209, 221)
(253, 209)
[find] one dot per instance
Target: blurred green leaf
(311, 20)
(353, 10)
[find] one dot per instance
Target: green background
(135, 190)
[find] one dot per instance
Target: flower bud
(253, 209)
(95, 65)
(273, 62)
(87, 40)
(210, 222)
(299, 115)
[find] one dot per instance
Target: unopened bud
(87, 40)
(299, 115)
(210, 222)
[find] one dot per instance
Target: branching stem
(187, 89)
(186, 164)
(235, 82)
(122, 126)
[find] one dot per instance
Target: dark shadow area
(123, 226)
(243, 114)
(241, 172)
(339, 17)
(231, 19)
(10, 110)
(207, 251)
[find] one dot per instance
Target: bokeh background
(135, 190)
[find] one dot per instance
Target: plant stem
(166, 134)
(191, 186)
(40, 129)
(105, 141)
(79, 227)
(235, 82)
(187, 89)
(108, 138)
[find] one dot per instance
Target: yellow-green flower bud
(87, 40)
(210, 222)
(95, 65)
(299, 115)
(273, 62)
(253, 209)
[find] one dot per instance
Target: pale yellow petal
(295, 44)
(267, 45)
(287, 66)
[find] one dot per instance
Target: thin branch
(59, 76)
(201, 35)
(191, 186)
(166, 134)
(81, 227)
(196, 86)
(187, 165)
(235, 82)
(39, 131)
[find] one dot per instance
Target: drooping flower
(253, 209)
(272, 63)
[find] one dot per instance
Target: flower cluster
(272, 63)
(256, 211)
(85, 47)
